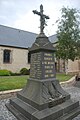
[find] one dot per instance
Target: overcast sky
(18, 13)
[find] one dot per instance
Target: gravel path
(6, 115)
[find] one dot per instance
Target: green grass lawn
(12, 82)
(63, 77)
(16, 82)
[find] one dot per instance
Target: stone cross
(42, 18)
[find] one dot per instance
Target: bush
(4, 73)
(24, 71)
(14, 74)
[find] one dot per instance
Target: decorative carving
(50, 91)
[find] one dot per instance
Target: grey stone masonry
(6, 115)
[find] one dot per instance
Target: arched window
(6, 56)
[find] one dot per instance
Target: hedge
(24, 71)
(4, 72)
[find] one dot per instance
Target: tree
(68, 34)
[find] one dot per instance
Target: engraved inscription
(48, 54)
(48, 65)
(35, 71)
(42, 65)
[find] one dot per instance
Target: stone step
(69, 105)
(40, 105)
(67, 109)
(26, 109)
(15, 112)
(57, 111)
(71, 114)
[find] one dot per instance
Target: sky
(18, 13)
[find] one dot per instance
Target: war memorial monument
(43, 98)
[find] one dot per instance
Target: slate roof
(53, 38)
(18, 38)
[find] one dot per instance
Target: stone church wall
(73, 66)
(18, 59)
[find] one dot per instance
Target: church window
(6, 56)
(29, 57)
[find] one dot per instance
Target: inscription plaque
(42, 65)
(48, 65)
(35, 71)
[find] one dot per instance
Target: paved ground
(6, 115)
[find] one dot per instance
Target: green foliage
(4, 72)
(14, 74)
(24, 71)
(68, 34)
(78, 49)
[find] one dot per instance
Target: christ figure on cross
(42, 18)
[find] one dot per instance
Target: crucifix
(42, 18)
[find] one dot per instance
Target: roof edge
(14, 47)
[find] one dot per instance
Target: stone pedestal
(43, 98)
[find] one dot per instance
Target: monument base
(43, 100)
